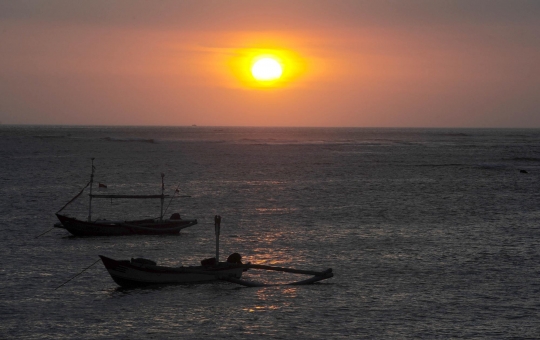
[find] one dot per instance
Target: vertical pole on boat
(162, 196)
(217, 227)
(91, 181)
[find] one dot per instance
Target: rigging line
(74, 198)
(78, 274)
(175, 191)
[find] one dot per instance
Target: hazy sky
(430, 63)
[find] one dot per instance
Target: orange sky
(356, 63)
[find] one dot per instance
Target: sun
(266, 69)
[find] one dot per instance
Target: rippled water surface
(430, 233)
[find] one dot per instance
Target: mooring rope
(78, 274)
(45, 232)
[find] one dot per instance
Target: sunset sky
(350, 63)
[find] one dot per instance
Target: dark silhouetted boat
(143, 272)
(102, 227)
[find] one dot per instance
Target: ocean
(431, 233)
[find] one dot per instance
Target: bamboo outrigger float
(154, 226)
(143, 272)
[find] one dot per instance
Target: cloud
(283, 14)
(368, 63)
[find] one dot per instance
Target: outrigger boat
(154, 226)
(143, 272)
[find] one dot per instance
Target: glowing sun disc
(266, 69)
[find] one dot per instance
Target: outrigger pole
(91, 181)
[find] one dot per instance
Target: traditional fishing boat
(101, 227)
(143, 272)
(157, 226)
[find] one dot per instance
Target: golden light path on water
(425, 237)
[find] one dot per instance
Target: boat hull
(109, 228)
(128, 274)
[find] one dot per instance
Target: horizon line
(261, 126)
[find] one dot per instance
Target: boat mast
(90, 204)
(217, 227)
(162, 196)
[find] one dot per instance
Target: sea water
(431, 233)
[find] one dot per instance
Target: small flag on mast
(101, 185)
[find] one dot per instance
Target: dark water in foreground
(431, 233)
